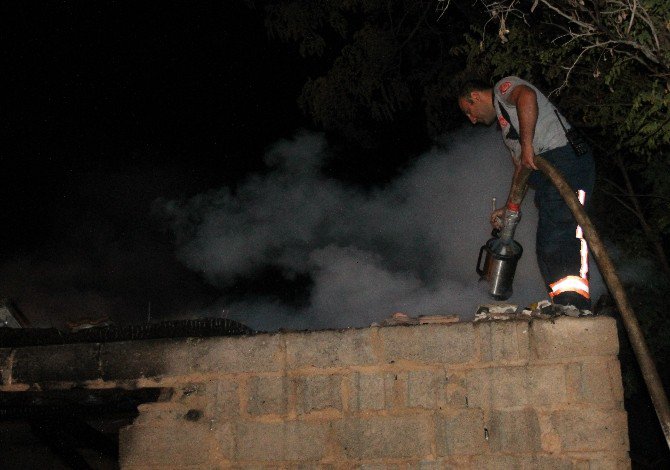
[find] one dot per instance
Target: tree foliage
(376, 61)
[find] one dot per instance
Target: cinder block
(591, 429)
(503, 340)
(165, 446)
(319, 392)
(160, 414)
(268, 395)
(133, 360)
(424, 388)
(325, 349)
(498, 462)
(614, 373)
(546, 385)
(224, 442)
(259, 353)
(461, 433)
(175, 357)
(456, 391)
(550, 463)
(57, 363)
(520, 462)
(195, 394)
(508, 386)
(454, 462)
(430, 465)
(384, 466)
(504, 387)
(429, 344)
(497, 387)
(514, 431)
(224, 403)
(291, 440)
(190, 391)
(600, 383)
(390, 437)
(368, 391)
(568, 337)
(612, 462)
(478, 388)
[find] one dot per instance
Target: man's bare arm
(517, 192)
(519, 185)
(525, 100)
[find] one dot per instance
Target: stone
(388, 437)
(429, 344)
(268, 395)
(503, 341)
(514, 431)
(424, 388)
(461, 432)
(567, 337)
(591, 429)
(323, 349)
(187, 444)
(290, 440)
(319, 392)
(368, 391)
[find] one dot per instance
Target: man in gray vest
(531, 126)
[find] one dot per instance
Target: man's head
(476, 101)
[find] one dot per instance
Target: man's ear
(474, 96)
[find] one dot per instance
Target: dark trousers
(557, 247)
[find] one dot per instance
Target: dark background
(108, 106)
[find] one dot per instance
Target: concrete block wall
(497, 395)
(487, 395)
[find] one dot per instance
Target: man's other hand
(528, 159)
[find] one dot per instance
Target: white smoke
(411, 246)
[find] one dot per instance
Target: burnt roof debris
(200, 328)
(11, 316)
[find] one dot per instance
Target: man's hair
(472, 85)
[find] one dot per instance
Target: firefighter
(531, 126)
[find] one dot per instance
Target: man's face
(478, 108)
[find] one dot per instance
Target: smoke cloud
(410, 246)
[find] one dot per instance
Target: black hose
(632, 326)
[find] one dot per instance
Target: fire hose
(632, 326)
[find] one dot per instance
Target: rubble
(496, 311)
(431, 319)
(400, 318)
(543, 309)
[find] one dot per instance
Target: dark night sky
(106, 107)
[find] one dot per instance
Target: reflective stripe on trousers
(578, 284)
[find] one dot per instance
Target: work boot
(572, 298)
